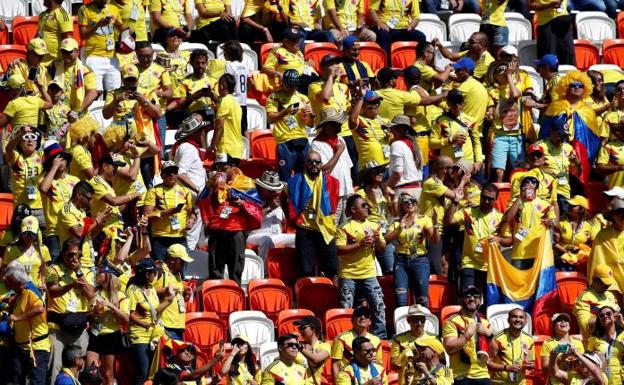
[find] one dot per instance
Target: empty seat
(204, 329)
(337, 321)
(441, 293)
(542, 323)
(536, 80)
(317, 294)
(254, 325)
(263, 145)
(268, 354)
(613, 52)
(595, 26)
(223, 296)
(431, 25)
(10, 52)
(519, 27)
(586, 54)
(24, 29)
(286, 320)
(373, 54)
(10, 9)
(499, 313)
(256, 116)
(570, 284)
(253, 269)
(432, 324)
(6, 210)
(462, 25)
(403, 54)
(270, 296)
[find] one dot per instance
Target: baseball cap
(145, 265)
(291, 34)
(617, 204)
(349, 42)
(109, 159)
(38, 46)
(129, 71)
(329, 59)
(605, 274)
(579, 200)
(309, 320)
(15, 81)
(178, 251)
(30, 224)
(291, 78)
(361, 311)
(430, 342)
(471, 290)
(387, 73)
(549, 60)
(536, 148)
(410, 73)
(126, 39)
(464, 63)
(510, 50)
(557, 316)
(371, 97)
(169, 166)
(69, 44)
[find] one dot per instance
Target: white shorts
(107, 77)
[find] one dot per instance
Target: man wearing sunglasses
(362, 369)
(314, 351)
(425, 366)
(547, 188)
(593, 298)
(285, 370)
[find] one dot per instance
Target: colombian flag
(532, 289)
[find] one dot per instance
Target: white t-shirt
(342, 170)
(240, 73)
(188, 161)
(271, 222)
(402, 161)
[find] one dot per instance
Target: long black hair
(249, 359)
(600, 330)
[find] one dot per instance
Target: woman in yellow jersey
(561, 336)
(241, 368)
(411, 265)
(109, 311)
(577, 235)
(608, 341)
(30, 252)
(262, 20)
(215, 21)
(175, 61)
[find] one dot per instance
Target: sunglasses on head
(576, 85)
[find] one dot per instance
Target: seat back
(613, 52)
(498, 317)
(586, 54)
(6, 210)
(462, 25)
(266, 48)
(263, 145)
(254, 325)
(281, 264)
(316, 294)
(441, 293)
(536, 80)
(4, 37)
(403, 54)
(431, 25)
(286, 320)
(620, 24)
(504, 194)
(447, 311)
(432, 324)
(270, 296)
(95, 110)
(386, 355)
(519, 27)
(10, 52)
(24, 29)
(253, 269)
(373, 54)
(387, 288)
(222, 297)
(595, 26)
(204, 329)
(527, 52)
(256, 116)
(570, 284)
(337, 321)
(542, 324)
(186, 46)
(538, 342)
(565, 68)
(268, 354)
(316, 51)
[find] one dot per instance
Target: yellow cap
(69, 44)
(38, 46)
(605, 274)
(178, 251)
(430, 342)
(578, 200)
(30, 224)
(129, 71)
(15, 81)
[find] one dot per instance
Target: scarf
(332, 141)
(77, 88)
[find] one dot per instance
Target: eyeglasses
(608, 314)
(313, 161)
(30, 137)
(576, 85)
(409, 201)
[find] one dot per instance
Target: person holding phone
(240, 367)
(560, 342)
(362, 368)
(608, 341)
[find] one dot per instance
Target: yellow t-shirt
(211, 6)
(68, 217)
(558, 164)
(27, 173)
(52, 25)
(587, 306)
(174, 315)
(412, 240)
(532, 213)
(107, 323)
(512, 351)
(31, 259)
(371, 141)
(24, 110)
(306, 12)
(139, 301)
(575, 379)
(278, 371)
(611, 118)
(475, 99)
(290, 126)
(395, 101)
(244, 376)
(377, 209)
(179, 61)
(353, 67)
(74, 301)
(493, 12)
(445, 128)
(172, 12)
(232, 141)
(124, 186)
(482, 225)
(347, 12)
(359, 264)
(81, 160)
(584, 234)
(59, 193)
(102, 41)
(314, 375)
(550, 344)
(132, 15)
(190, 85)
(611, 353)
(547, 15)
(163, 198)
(339, 100)
(432, 198)
(102, 188)
(282, 59)
(454, 327)
(397, 12)
(426, 76)
(342, 350)
(347, 377)
(546, 190)
(613, 154)
(43, 76)
(153, 78)
(30, 329)
(481, 65)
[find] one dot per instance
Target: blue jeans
(411, 273)
(587, 5)
(161, 244)
(53, 243)
(368, 288)
(386, 259)
(142, 357)
(316, 35)
(430, 6)
(471, 6)
(22, 366)
(162, 130)
(291, 157)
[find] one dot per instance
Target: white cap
(510, 50)
(127, 39)
(616, 192)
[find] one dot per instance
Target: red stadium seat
(24, 29)
(286, 320)
(403, 54)
(620, 24)
(586, 54)
(254, 168)
(337, 321)
(441, 293)
(448, 311)
(6, 210)
(401, 83)
(542, 323)
(4, 37)
(613, 52)
(316, 51)
(282, 264)
(373, 54)
(10, 52)
(263, 145)
(269, 296)
(569, 285)
(266, 48)
(222, 296)
(594, 192)
(204, 329)
(318, 294)
(537, 376)
(504, 194)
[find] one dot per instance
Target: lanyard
(560, 165)
(488, 225)
(152, 309)
(574, 232)
(531, 217)
(414, 229)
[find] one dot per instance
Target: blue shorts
(498, 36)
(508, 147)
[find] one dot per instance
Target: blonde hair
(572, 77)
(113, 134)
(83, 128)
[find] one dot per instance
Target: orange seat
(504, 194)
(387, 288)
(204, 329)
(447, 311)
(269, 296)
(620, 24)
(282, 264)
(441, 293)
(77, 32)
(263, 145)
(337, 321)
(286, 320)
(594, 192)
(537, 375)
(393, 378)
(222, 296)
(266, 48)
(25, 29)
(373, 54)
(192, 305)
(317, 294)
(586, 54)
(401, 83)
(4, 36)
(403, 54)
(385, 355)
(10, 52)
(316, 51)
(6, 209)
(612, 51)
(542, 323)
(569, 285)
(327, 371)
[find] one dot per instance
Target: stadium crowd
(136, 189)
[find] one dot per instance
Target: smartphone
(32, 73)
(295, 106)
(562, 348)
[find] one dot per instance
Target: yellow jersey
(290, 126)
(528, 231)
(231, 141)
(174, 315)
(98, 205)
(481, 65)
(281, 59)
(371, 141)
(24, 110)
(58, 194)
(447, 127)
(106, 322)
(314, 375)
(432, 198)
(73, 301)
(412, 241)
(612, 153)
(349, 376)
(52, 26)
(163, 198)
(475, 99)
(395, 101)
(213, 7)
(279, 372)
(172, 12)
(547, 15)
(454, 326)
(34, 329)
(396, 13)
(191, 84)
(359, 264)
(342, 350)
(102, 42)
(550, 344)
(339, 100)
(612, 352)
(493, 12)
(143, 301)
(558, 164)
(32, 260)
(346, 11)
(70, 216)
(27, 174)
(81, 160)
(480, 225)
(512, 350)
(132, 15)
(587, 305)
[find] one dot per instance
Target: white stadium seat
(519, 27)
(595, 26)
(527, 52)
(95, 110)
(432, 324)
(253, 269)
(250, 57)
(268, 354)
(565, 68)
(536, 80)
(11, 8)
(498, 314)
(256, 116)
(37, 7)
(462, 25)
(186, 46)
(431, 25)
(254, 325)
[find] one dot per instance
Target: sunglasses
(292, 345)
(30, 137)
(605, 315)
(373, 104)
(369, 351)
(313, 161)
(472, 295)
(576, 85)
(531, 180)
(409, 201)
